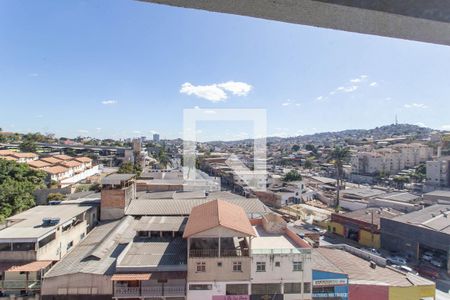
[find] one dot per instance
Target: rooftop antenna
(396, 119)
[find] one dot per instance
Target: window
(23, 246)
(237, 289)
(219, 264)
(69, 245)
(277, 264)
(201, 267)
(323, 290)
(297, 266)
(266, 288)
(307, 287)
(47, 240)
(260, 267)
(82, 236)
(293, 288)
(200, 287)
(5, 247)
(237, 266)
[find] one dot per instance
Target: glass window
(277, 264)
(293, 288)
(307, 287)
(69, 245)
(266, 288)
(297, 266)
(200, 287)
(201, 267)
(47, 240)
(23, 246)
(260, 266)
(237, 266)
(237, 289)
(5, 247)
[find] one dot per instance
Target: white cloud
(237, 88)
(109, 102)
(374, 84)
(136, 131)
(216, 92)
(320, 98)
(285, 104)
(420, 124)
(98, 129)
(445, 127)
(83, 131)
(346, 89)
(33, 74)
(415, 105)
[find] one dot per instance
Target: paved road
(442, 296)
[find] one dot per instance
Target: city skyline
(129, 69)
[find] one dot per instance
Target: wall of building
(218, 288)
(216, 272)
(338, 281)
(337, 228)
(283, 273)
(368, 292)
(77, 284)
(411, 292)
(365, 239)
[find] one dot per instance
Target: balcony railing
(20, 284)
(215, 252)
(150, 291)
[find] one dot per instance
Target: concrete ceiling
(419, 20)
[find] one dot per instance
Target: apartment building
(438, 172)
(33, 240)
(390, 160)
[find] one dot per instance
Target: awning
(31, 267)
(130, 277)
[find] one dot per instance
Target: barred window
(293, 288)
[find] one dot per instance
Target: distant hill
(382, 132)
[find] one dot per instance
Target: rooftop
(28, 224)
(435, 217)
(400, 197)
(359, 270)
(116, 179)
(164, 204)
(164, 223)
(81, 260)
(152, 253)
(363, 192)
(38, 164)
(218, 213)
(439, 193)
(274, 243)
(365, 215)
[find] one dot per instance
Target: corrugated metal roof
(80, 260)
(163, 223)
(117, 178)
(155, 252)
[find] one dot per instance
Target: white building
(438, 172)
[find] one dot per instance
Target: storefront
(329, 285)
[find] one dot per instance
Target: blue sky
(123, 68)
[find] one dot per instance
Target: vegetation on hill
(17, 184)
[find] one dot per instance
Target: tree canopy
(129, 168)
(17, 184)
(292, 175)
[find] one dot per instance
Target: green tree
(311, 147)
(292, 175)
(28, 146)
(308, 164)
(129, 168)
(295, 148)
(55, 197)
(17, 185)
(338, 157)
(163, 158)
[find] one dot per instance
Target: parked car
(427, 256)
(396, 260)
(407, 269)
(429, 272)
(372, 251)
(320, 230)
(437, 262)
